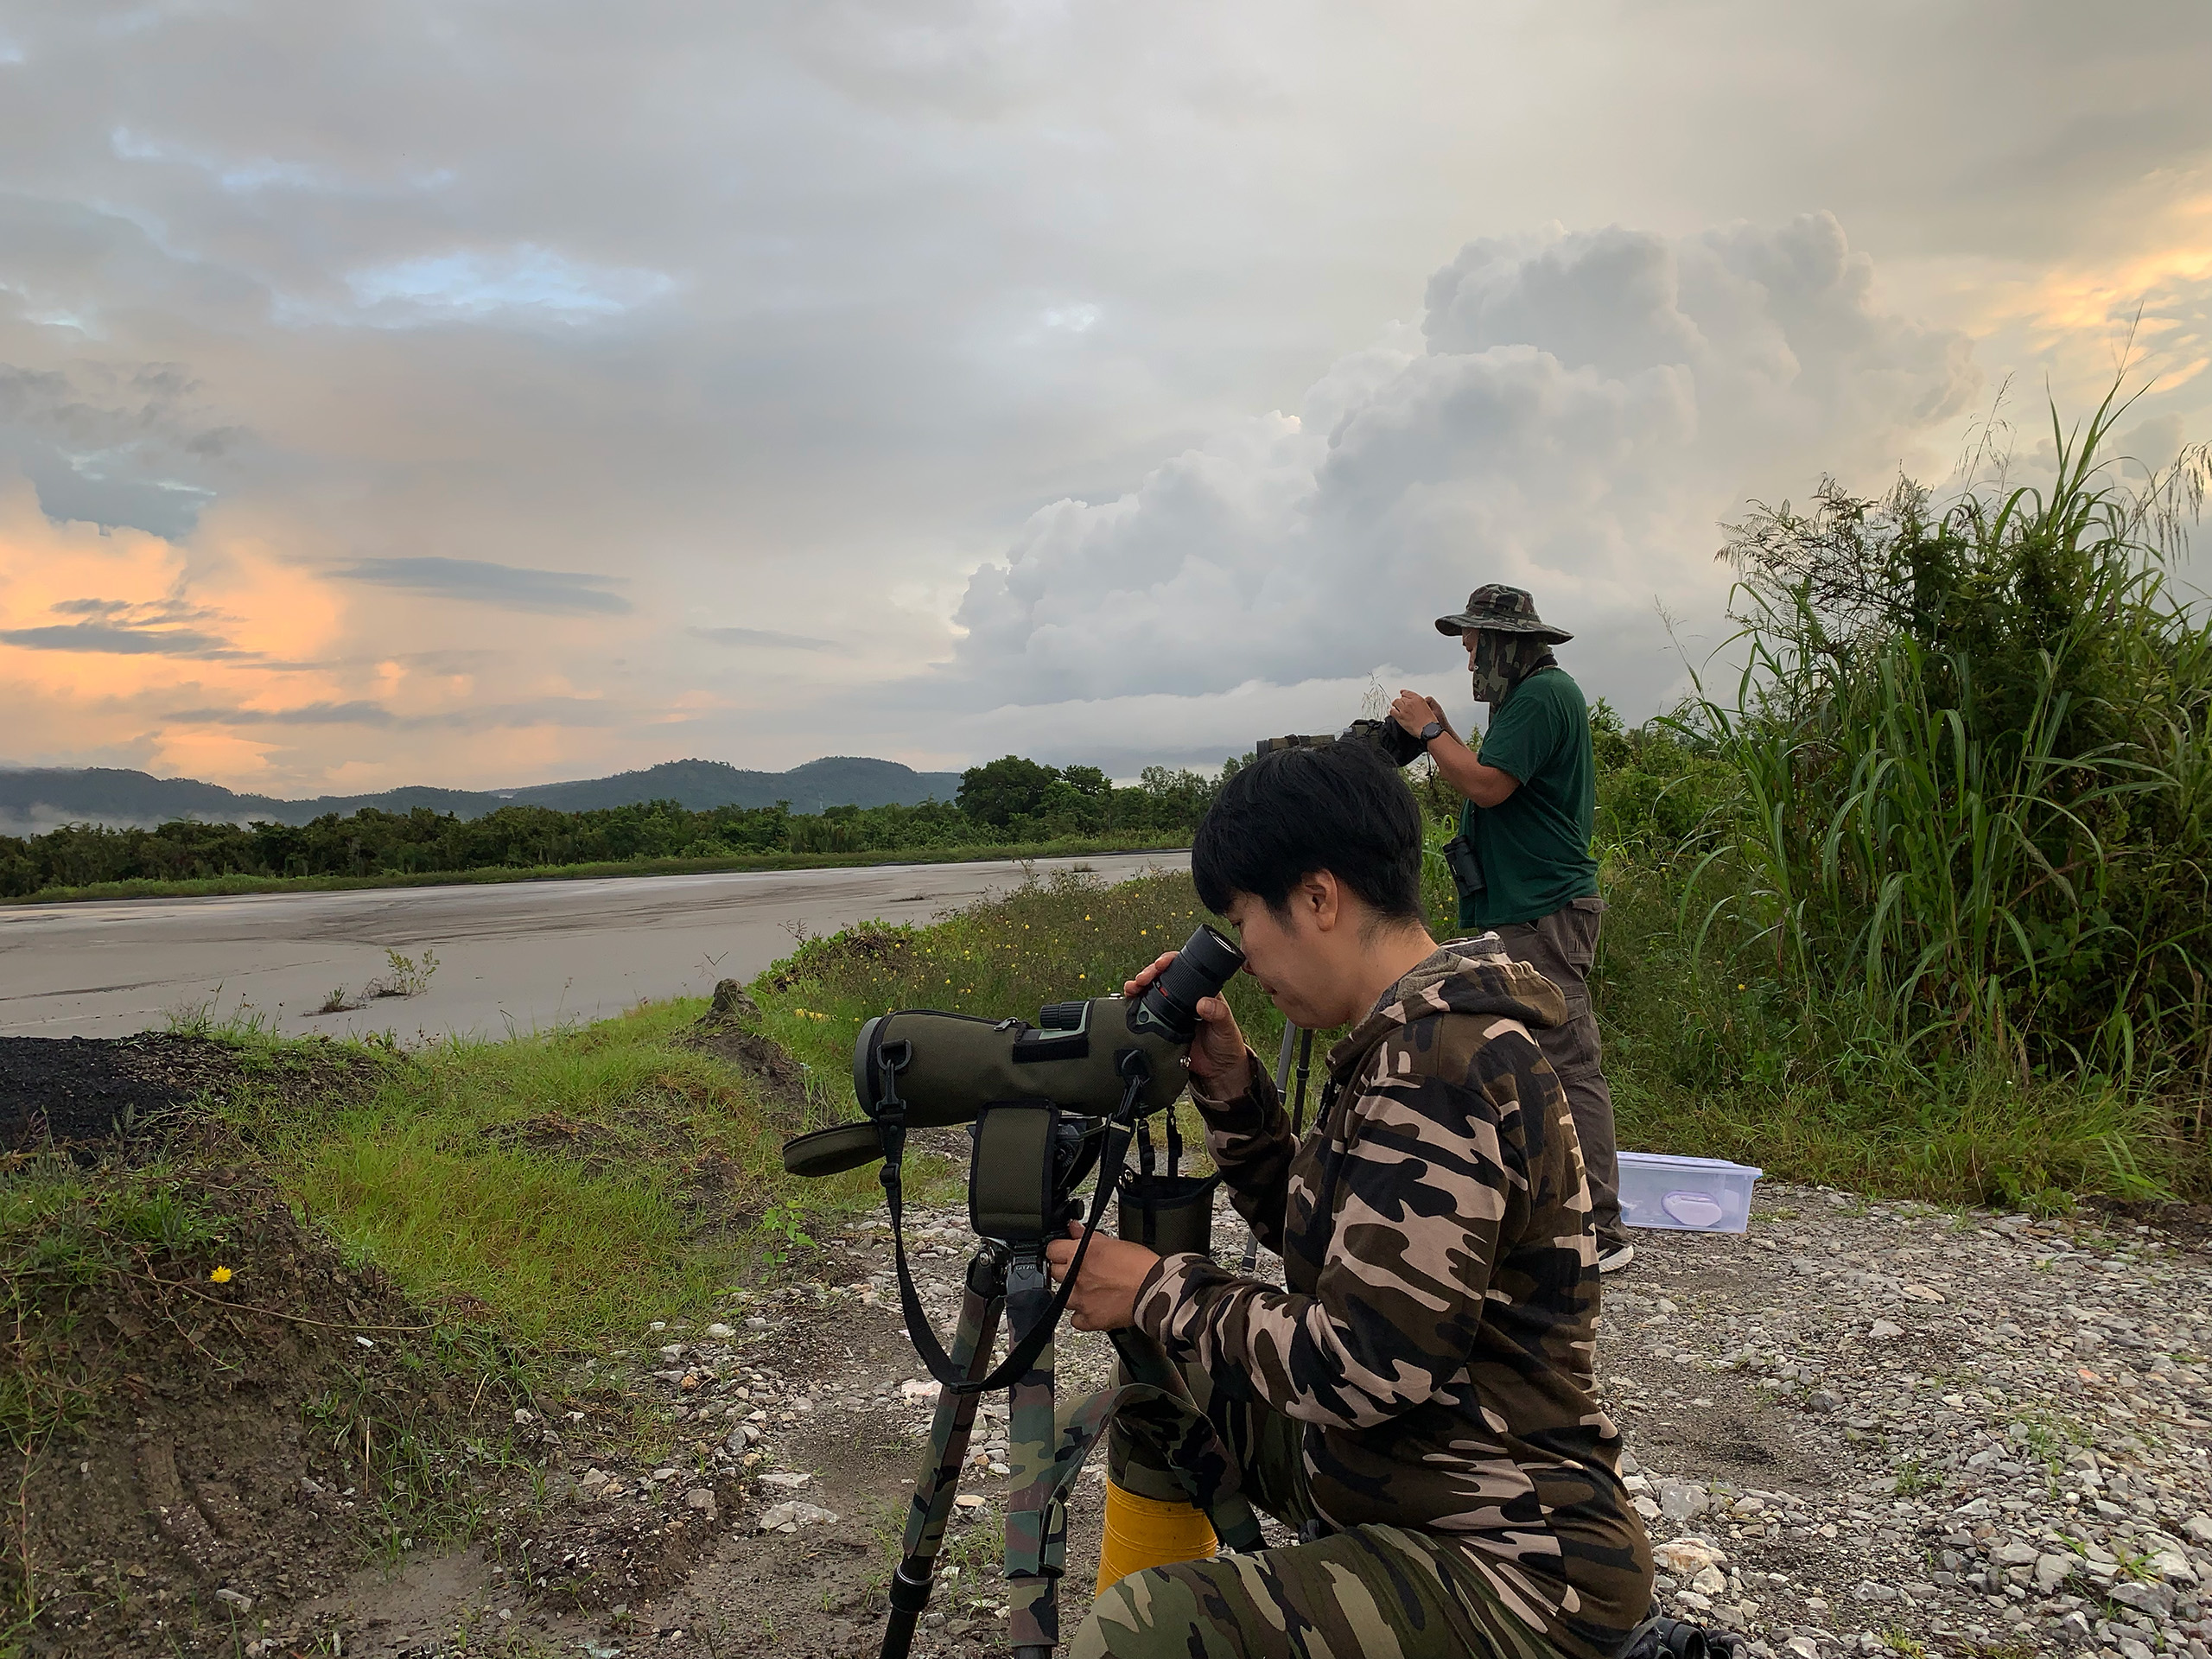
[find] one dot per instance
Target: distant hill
(38, 798)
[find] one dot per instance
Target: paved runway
(512, 956)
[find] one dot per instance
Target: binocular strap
(1173, 1424)
(1031, 1342)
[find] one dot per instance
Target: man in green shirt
(1522, 862)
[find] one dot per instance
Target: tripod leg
(1036, 1516)
(948, 1450)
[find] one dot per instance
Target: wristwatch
(1431, 732)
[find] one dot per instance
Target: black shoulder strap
(891, 1122)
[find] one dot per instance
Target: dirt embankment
(219, 1434)
(195, 1385)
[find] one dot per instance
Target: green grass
(217, 886)
(561, 1189)
(1977, 1139)
(66, 1236)
(1703, 1062)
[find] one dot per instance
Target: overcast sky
(486, 394)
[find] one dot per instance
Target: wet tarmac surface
(512, 956)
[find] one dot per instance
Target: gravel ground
(1869, 1425)
(1859, 1427)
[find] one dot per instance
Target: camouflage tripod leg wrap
(1048, 1458)
(956, 1413)
(1037, 1512)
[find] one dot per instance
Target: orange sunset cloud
(105, 634)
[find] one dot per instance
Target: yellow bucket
(1143, 1532)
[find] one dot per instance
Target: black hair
(1340, 807)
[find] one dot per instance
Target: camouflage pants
(1561, 946)
(1367, 1592)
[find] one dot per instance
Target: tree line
(1010, 801)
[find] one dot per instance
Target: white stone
(701, 1499)
(790, 1517)
(1686, 1557)
(785, 1479)
(233, 1599)
(1884, 1330)
(1710, 1581)
(1681, 1500)
(2051, 1571)
(1804, 1646)
(720, 1332)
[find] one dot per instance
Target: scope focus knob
(1061, 1016)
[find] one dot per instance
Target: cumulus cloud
(1574, 415)
(515, 587)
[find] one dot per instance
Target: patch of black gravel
(77, 1089)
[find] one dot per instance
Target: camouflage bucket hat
(1501, 610)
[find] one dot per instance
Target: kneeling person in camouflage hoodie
(1420, 1400)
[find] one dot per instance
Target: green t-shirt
(1535, 846)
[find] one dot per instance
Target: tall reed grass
(1963, 870)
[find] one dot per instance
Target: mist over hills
(37, 799)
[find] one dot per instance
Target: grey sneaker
(1614, 1254)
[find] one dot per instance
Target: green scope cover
(958, 1064)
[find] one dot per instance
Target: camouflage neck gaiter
(1502, 661)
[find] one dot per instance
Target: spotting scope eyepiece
(1205, 964)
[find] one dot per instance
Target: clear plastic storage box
(1695, 1195)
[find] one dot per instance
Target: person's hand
(1218, 1058)
(1105, 1294)
(1412, 711)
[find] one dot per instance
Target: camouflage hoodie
(1438, 1334)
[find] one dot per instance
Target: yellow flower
(1739, 987)
(220, 1276)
